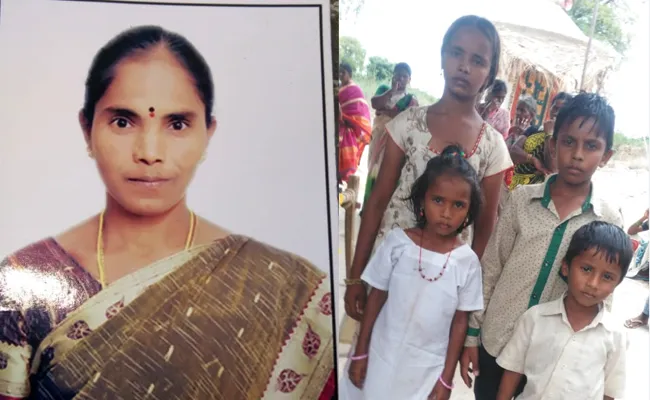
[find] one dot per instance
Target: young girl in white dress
(424, 282)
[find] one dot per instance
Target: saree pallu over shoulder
(240, 320)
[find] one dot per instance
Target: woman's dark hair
(588, 106)
(403, 66)
(347, 68)
(136, 41)
(562, 96)
(604, 238)
(450, 162)
(487, 29)
(499, 86)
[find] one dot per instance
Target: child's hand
(357, 372)
(439, 392)
(469, 364)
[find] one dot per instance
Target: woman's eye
(586, 268)
(178, 125)
(459, 204)
(121, 122)
(437, 199)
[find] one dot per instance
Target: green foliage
(379, 68)
(622, 140)
(378, 71)
(611, 17)
(352, 52)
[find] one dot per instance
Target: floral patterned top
(409, 130)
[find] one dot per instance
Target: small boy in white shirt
(570, 348)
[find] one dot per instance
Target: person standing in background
(354, 124)
(388, 101)
(491, 110)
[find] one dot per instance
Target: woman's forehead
(471, 40)
(157, 80)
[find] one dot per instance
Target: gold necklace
(100, 244)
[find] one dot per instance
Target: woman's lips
(148, 182)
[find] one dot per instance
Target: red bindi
(152, 112)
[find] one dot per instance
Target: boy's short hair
(588, 106)
(604, 238)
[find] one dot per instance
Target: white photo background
(265, 173)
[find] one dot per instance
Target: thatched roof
(559, 57)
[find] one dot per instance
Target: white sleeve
(513, 356)
(615, 368)
(397, 129)
(380, 267)
(470, 294)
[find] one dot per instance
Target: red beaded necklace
(444, 266)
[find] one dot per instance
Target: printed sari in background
(354, 129)
(499, 119)
(399, 102)
(235, 319)
(527, 174)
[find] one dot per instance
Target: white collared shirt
(523, 257)
(561, 364)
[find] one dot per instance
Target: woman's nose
(148, 148)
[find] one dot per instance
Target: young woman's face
(466, 63)
(147, 160)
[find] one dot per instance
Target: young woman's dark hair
(499, 86)
(347, 68)
(562, 96)
(604, 238)
(588, 106)
(403, 66)
(450, 162)
(136, 41)
(486, 28)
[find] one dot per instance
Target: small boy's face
(579, 150)
(591, 277)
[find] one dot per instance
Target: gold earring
(90, 153)
(203, 157)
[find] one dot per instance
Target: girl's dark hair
(562, 96)
(601, 237)
(450, 162)
(499, 86)
(588, 106)
(487, 29)
(403, 66)
(137, 41)
(346, 67)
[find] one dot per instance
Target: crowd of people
(484, 242)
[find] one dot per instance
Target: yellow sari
(235, 319)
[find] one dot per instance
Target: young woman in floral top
(470, 59)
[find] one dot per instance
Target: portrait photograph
(169, 219)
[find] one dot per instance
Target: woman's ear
(85, 127)
(212, 128)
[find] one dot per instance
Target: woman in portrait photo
(146, 297)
